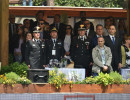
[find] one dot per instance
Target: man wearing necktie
(80, 50)
(89, 33)
(12, 30)
(34, 54)
(61, 27)
(114, 42)
(77, 24)
(99, 33)
(54, 49)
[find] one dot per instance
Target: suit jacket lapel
(110, 40)
(89, 34)
(95, 40)
(51, 43)
(116, 40)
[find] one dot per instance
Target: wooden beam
(65, 8)
(4, 31)
(72, 11)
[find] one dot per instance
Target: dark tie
(113, 40)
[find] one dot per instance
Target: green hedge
(20, 69)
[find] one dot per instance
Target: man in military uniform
(34, 51)
(54, 48)
(80, 50)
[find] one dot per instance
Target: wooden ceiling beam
(72, 11)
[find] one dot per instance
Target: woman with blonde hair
(125, 51)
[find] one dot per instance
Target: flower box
(47, 88)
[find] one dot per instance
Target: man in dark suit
(34, 54)
(59, 26)
(80, 50)
(89, 33)
(77, 25)
(43, 33)
(114, 43)
(12, 31)
(54, 49)
(99, 33)
(39, 16)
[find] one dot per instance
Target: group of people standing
(96, 51)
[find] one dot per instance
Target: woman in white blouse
(67, 40)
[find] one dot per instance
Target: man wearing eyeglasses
(34, 51)
(43, 33)
(39, 16)
(89, 33)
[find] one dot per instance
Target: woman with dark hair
(125, 51)
(67, 40)
(17, 41)
(28, 36)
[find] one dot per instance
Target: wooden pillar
(128, 16)
(4, 31)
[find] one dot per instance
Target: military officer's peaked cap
(54, 29)
(36, 29)
(81, 28)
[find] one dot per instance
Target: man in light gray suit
(102, 58)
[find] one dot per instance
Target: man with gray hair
(99, 33)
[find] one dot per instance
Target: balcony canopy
(71, 11)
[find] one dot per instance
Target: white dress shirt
(67, 42)
(111, 36)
